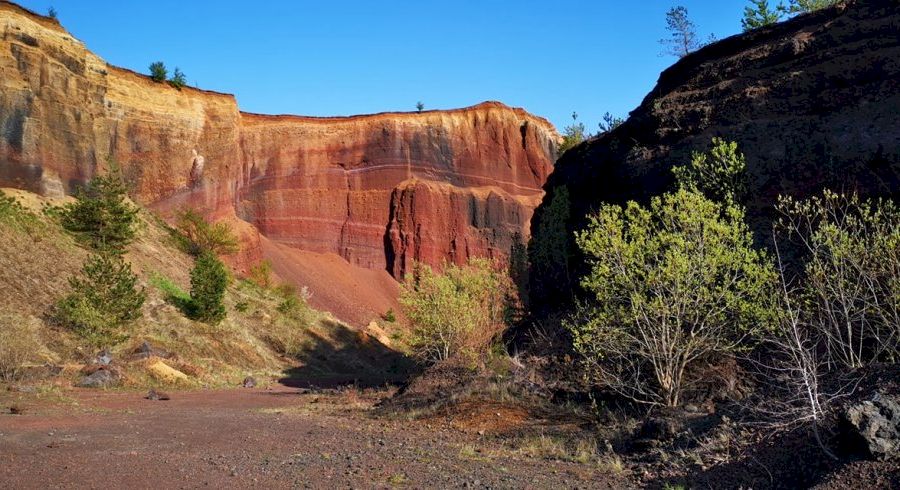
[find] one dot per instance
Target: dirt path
(265, 438)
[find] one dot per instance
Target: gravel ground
(267, 438)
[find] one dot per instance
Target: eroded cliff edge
(813, 102)
(378, 190)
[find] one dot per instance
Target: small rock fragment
(157, 395)
(249, 382)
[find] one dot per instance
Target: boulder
(101, 378)
(249, 382)
(165, 373)
(873, 427)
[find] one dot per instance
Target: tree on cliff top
(158, 71)
(573, 134)
(682, 33)
(759, 14)
(178, 79)
(51, 12)
(420, 106)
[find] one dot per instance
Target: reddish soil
(351, 293)
(266, 438)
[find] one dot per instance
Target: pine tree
(209, 279)
(759, 14)
(683, 38)
(101, 216)
(104, 298)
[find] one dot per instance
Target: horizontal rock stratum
(378, 190)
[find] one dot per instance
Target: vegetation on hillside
(458, 313)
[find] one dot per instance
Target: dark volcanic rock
(812, 102)
(874, 427)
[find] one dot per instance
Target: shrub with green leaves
(195, 235)
(672, 284)
(178, 80)
(458, 313)
(573, 135)
(720, 173)
(158, 71)
(104, 299)
(849, 285)
(102, 216)
(209, 280)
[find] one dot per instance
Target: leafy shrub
(849, 288)
(158, 72)
(720, 174)
(18, 345)
(209, 280)
(457, 313)
(194, 235)
(389, 316)
(102, 217)
(672, 284)
(103, 300)
(178, 80)
(261, 274)
(573, 134)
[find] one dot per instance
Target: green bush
(459, 313)
(102, 217)
(720, 173)
(103, 300)
(288, 332)
(573, 135)
(849, 286)
(194, 235)
(389, 316)
(209, 280)
(261, 274)
(178, 80)
(158, 72)
(672, 285)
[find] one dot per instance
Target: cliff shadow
(338, 355)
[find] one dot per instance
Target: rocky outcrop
(873, 426)
(812, 102)
(378, 190)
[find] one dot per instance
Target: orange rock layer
(379, 190)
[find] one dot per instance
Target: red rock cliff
(379, 190)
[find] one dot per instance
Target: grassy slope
(38, 257)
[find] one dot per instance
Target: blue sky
(352, 57)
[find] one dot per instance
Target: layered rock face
(812, 102)
(386, 189)
(379, 190)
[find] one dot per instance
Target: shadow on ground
(343, 356)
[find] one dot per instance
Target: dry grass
(19, 344)
(37, 260)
